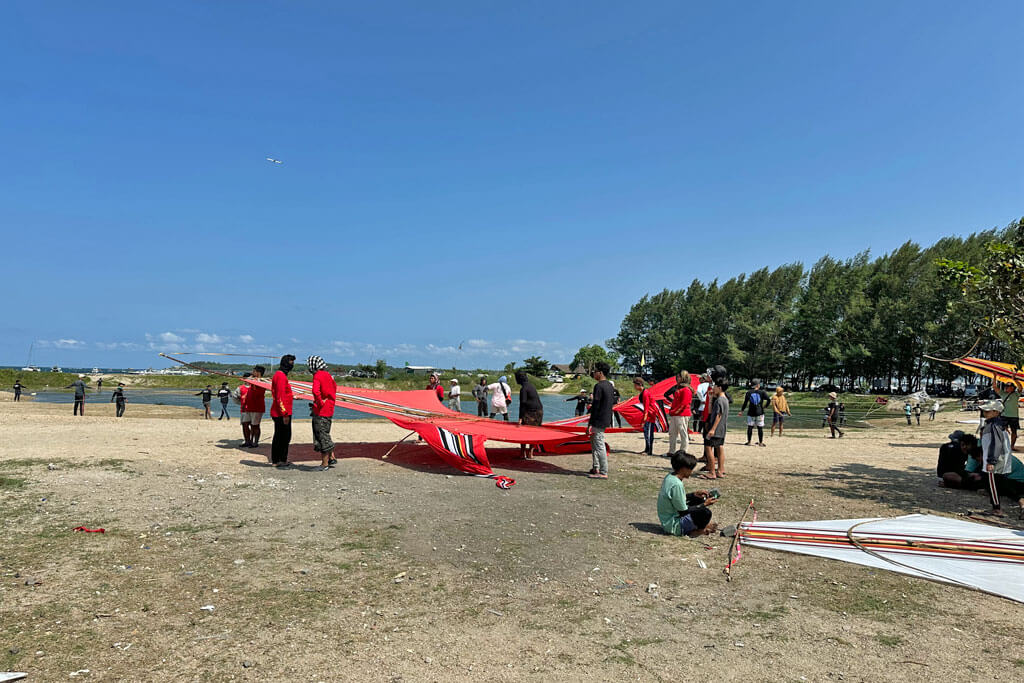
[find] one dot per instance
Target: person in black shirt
(531, 410)
(17, 389)
(224, 394)
(754, 402)
(600, 419)
(832, 416)
(79, 386)
(617, 397)
(207, 394)
(951, 467)
(581, 402)
(118, 398)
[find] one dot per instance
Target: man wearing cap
(833, 415)
(455, 396)
(325, 392)
(79, 386)
(1005, 473)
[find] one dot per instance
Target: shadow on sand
(413, 456)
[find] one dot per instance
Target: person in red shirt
(435, 385)
(679, 412)
(325, 391)
(281, 412)
(651, 409)
(254, 403)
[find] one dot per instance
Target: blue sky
(508, 175)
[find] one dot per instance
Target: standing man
(1011, 411)
(99, 385)
(832, 416)
(17, 389)
(325, 393)
(917, 413)
(996, 458)
(931, 413)
(224, 394)
(207, 394)
(455, 396)
(254, 403)
(581, 402)
(480, 394)
(907, 410)
(600, 419)
(650, 418)
(715, 429)
(754, 402)
(679, 412)
(79, 386)
(501, 396)
(281, 412)
(700, 400)
(531, 410)
(780, 409)
(118, 399)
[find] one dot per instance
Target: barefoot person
(681, 512)
(254, 403)
(780, 409)
(600, 420)
(281, 412)
(714, 432)
(325, 393)
(207, 395)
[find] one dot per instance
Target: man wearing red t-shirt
(254, 403)
(679, 412)
(281, 412)
(325, 391)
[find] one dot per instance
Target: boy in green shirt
(681, 512)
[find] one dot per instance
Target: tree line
(848, 321)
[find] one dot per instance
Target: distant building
(423, 369)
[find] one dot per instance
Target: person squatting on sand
(600, 419)
(531, 410)
(951, 467)
(1004, 472)
(679, 413)
(678, 511)
(254, 403)
(321, 410)
(281, 411)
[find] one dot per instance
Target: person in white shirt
(455, 396)
(501, 394)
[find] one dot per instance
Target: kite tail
(89, 531)
(501, 481)
(736, 550)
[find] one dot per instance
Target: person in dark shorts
(581, 402)
(224, 394)
(531, 410)
(79, 386)
(714, 431)
(325, 391)
(480, 394)
(254, 404)
(17, 389)
(682, 513)
(832, 416)
(207, 395)
(1011, 410)
(118, 399)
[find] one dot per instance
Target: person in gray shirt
(714, 432)
(79, 386)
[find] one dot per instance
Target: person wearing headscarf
(435, 386)
(501, 396)
(325, 392)
(281, 412)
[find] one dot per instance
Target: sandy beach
(214, 566)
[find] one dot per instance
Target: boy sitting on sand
(681, 512)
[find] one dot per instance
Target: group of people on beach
(985, 460)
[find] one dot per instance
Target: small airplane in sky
(273, 160)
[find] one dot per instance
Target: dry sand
(403, 569)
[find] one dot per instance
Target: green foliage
(844, 320)
(994, 290)
(537, 366)
(589, 356)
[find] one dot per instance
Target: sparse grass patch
(11, 483)
(889, 641)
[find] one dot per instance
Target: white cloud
(165, 337)
(204, 338)
(62, 343)
(246, 338)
